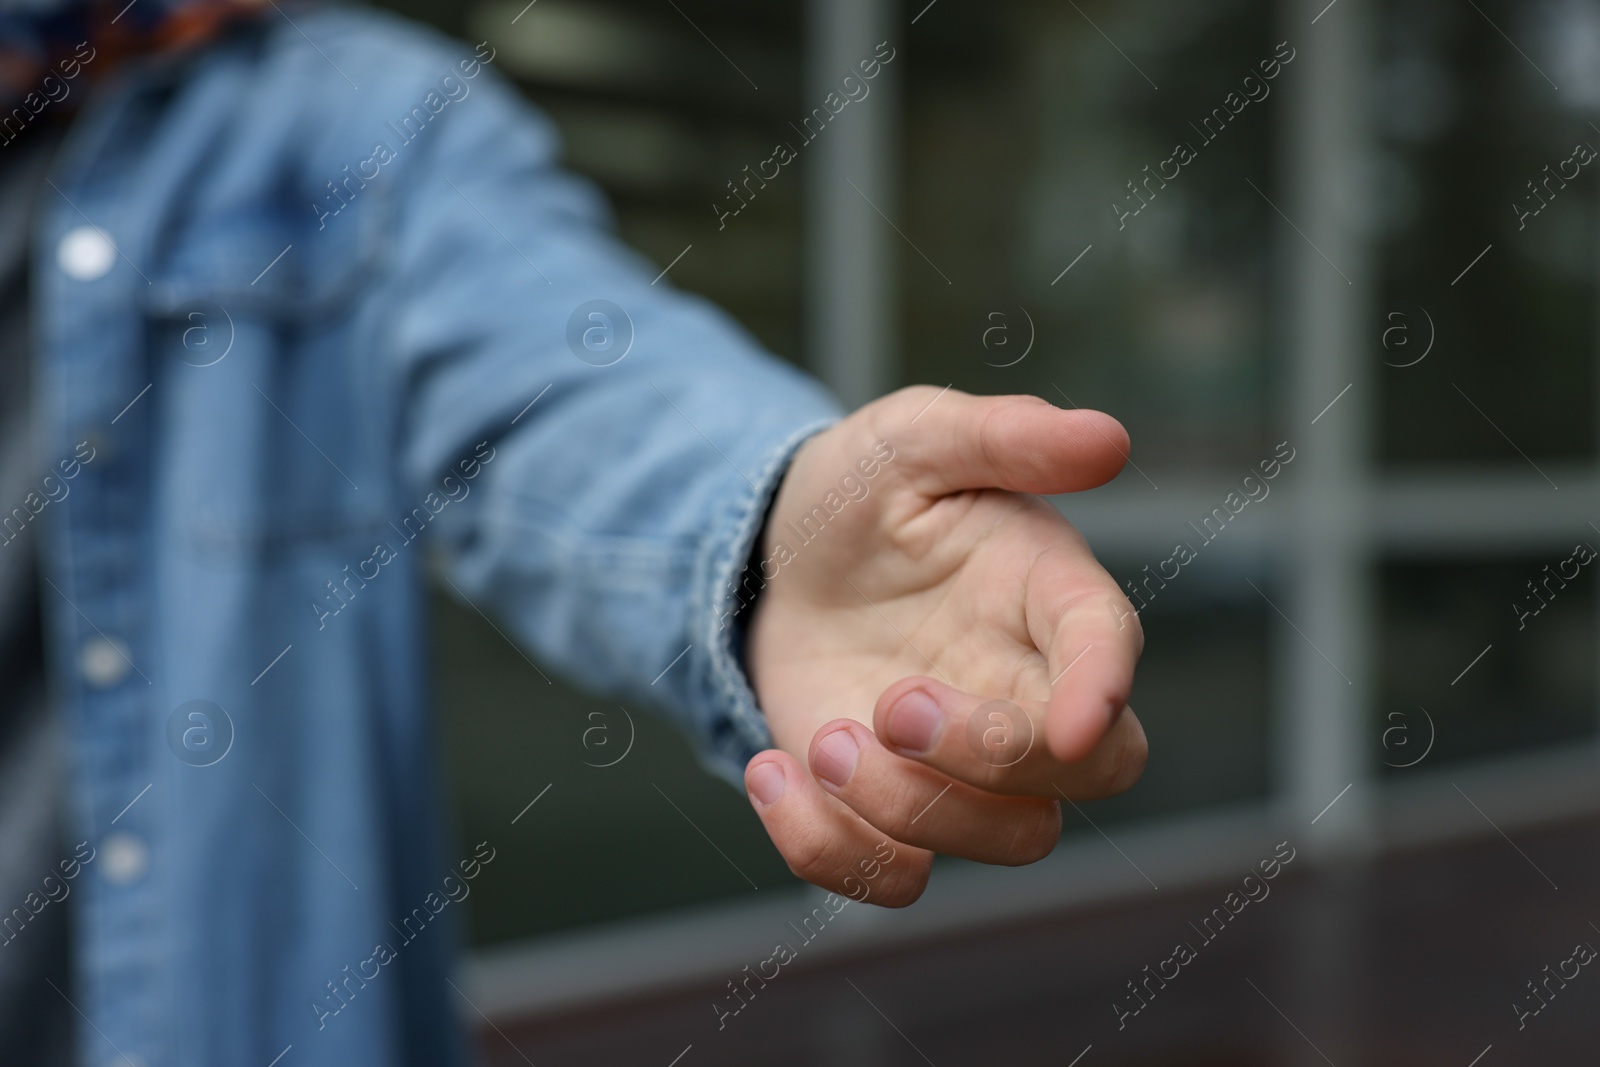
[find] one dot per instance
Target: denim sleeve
(624, 463)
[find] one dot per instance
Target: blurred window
(1064, 227)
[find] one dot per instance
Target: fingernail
(914, 722)
(766, 782)
(835, 759)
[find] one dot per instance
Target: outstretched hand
(938, 654)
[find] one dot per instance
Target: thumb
(951, 441)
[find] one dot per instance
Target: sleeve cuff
(732, 726)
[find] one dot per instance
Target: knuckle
(807, 856)
(912, 393)
(992, 418)
(1122, 613)
(1133, 623)
(911, 398)
(896, 810)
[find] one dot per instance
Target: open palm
(938, 654)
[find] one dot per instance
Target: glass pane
(648, 108)
(1201, 694)
(1532, 619)
(1474, 140)
(1032, 140)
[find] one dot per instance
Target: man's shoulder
(346, 59)
(323, 87)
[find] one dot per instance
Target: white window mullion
(1325, 567)
(851, 251)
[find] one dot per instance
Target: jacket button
(123, 857)
(104, 662)
(86, 253)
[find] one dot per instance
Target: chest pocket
(265, 263)
(274, 420)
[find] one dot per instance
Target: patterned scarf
(47, 45)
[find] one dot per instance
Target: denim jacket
(315, 309)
